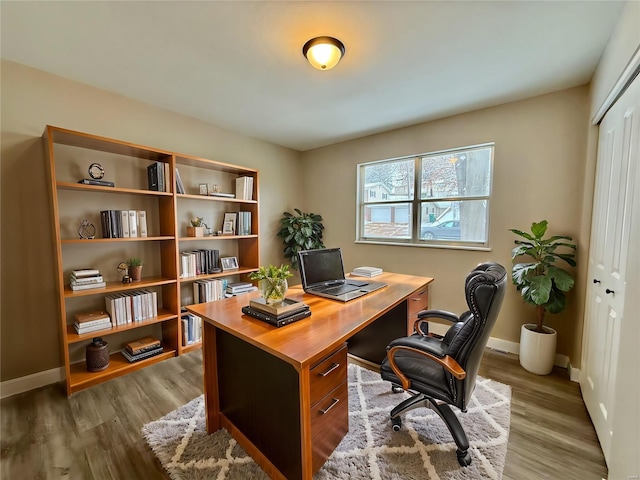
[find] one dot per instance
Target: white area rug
(423, 449)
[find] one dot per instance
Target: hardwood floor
(95, 434)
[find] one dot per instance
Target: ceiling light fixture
(323, 53)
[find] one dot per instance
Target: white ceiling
(238, 64)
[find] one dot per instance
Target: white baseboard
(30, 382)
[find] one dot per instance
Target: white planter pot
(537, 350)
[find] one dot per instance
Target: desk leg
(210, 376)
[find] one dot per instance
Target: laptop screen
(318, 266)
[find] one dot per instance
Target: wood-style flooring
(95, 434)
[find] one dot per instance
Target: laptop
(322, 273)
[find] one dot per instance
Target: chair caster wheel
(397, 424)
(464, 458)
(396, 389)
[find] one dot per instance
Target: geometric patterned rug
(422, 449)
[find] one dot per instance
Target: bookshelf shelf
(168, 213)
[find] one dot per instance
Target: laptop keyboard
(340, 289)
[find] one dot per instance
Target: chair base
(445, 413)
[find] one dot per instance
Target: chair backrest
(485, 288)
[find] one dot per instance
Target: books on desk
(288, 311)
(366, 271)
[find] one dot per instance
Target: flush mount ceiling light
(323, 53)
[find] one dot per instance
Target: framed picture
(229, 223)
(229, 263)
(204, 189)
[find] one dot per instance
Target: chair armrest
(423, 315)
(447, 362)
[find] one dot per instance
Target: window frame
(416, 203)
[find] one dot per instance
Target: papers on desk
(366, 271)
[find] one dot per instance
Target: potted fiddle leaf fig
(300, 232)
(543, 284)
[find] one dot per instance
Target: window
(439, 198)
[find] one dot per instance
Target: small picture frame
(203, 189)
(229, 263)
(229, 223)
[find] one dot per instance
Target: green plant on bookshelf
(134, 265)
(300, 232)
(272, 282)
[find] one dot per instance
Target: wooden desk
(282, 392)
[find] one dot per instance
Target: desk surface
(330, 324)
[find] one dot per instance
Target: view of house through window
(434, 198)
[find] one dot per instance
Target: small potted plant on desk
(272, 282)
(134, 266)
(542, 284)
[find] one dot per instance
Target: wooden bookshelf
(168, 213)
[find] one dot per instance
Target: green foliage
(541, 282)
(271, 273)
(196, 222)
(300, 232)
(134, 262)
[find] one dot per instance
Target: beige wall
(539, 173)
(32, 99)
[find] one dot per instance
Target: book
(101, 183)
(277, 322)
(85, 272)
(80, 330)
(145, 342)
(142, 223)
(133, 223)
(366, 271)
(135, 358)
(287, 306)
(155, 177)
(179, 184)
(87, 286)
(86, 280)
(91, 318)
(239, 286)
(124, 215)
(167, 176)
(220, 194)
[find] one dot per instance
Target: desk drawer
(328, 374)
(415, 303)
(329, 424)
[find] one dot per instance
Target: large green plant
(300, 232)
(541, 282)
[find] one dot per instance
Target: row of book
(135, 306)
(199, 262)
(279, 314)
(244, 223)
(244, 188)
(86, 279)
(123, 223)
(158, 177)
(142, 348)
(191, 329)
(92, 322)
(209, 290)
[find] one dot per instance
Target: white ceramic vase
(537, 350)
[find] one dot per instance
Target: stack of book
(92, 322)
(280, 314)
(86, 279)
(191, 328)
(123, 223)
(158, 176)
(244, 223)
(244, 188)
(209, 290)
(366, 271)
(240, 288)
(140, 349)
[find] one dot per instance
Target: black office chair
(441, 371)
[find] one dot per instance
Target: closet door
(616, 185)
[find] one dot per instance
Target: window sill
(422, 245)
